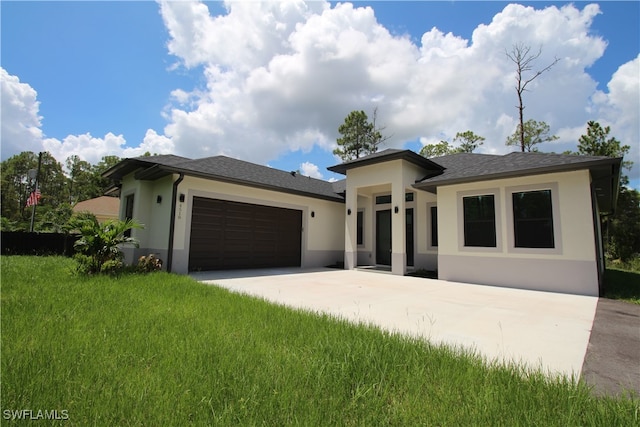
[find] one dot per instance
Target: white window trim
(555, 211)
(495, 192)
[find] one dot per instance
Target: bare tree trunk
(521, 111)
(521, 56)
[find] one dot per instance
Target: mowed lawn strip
(162, 349)
(622, 285)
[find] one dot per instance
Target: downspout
(172, 222)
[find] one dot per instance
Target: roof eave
(158, 171)
(432, 187)
(606, 184)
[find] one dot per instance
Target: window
(128, 211)
(479, 221)
(383, 200)
(533, 219)
(434, 226)
(408, 197)
(360, 228)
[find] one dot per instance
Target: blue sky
(94, 78)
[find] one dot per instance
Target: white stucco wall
(569, 267)
(154, 216)
(426, 255)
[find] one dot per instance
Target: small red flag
(34, 197)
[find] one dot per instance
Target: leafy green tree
(468, 141)
(52, 181)
(98, 247)
(359, 136)
(437, 150)
(53, 220)
(100, 184)
(623, 227)
(624, 234)
(18, 182)
(58, 191)
(80, 182)
(598, 143)
(15, 187)
(534, 133)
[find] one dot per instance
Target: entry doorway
(383, 237)
(409, 236)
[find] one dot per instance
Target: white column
(350, 229)
(398, 228)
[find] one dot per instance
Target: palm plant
(98, 250)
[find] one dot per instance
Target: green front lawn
(162, 349)
(622, 284)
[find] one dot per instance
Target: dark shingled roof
(446, 170)
(469, 167)
(385, 156)
(225, 169)
(340, 187)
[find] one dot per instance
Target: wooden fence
(24, 243)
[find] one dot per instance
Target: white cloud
(620, 109)
(20, 121)
(281, 76)
(21, 131)
(303, 66)
(311, 170)
(93, 149)
(85, 146)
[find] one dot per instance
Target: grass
(163, 349)
(622, 285)
(622, 281)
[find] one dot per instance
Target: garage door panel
(232, 235)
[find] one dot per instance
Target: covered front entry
(232, 235)
(385, 221)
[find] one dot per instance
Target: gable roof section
(385, 156)
(226, 169)
(469, 167)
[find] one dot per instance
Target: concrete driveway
(538, 329)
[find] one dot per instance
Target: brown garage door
(232, 235)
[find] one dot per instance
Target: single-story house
(103, 207)
(522, 220)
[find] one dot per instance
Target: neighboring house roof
(471, 167)
(225, 169)
(103, 207)
(385, 156)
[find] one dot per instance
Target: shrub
(98, 248)
(149, 263)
